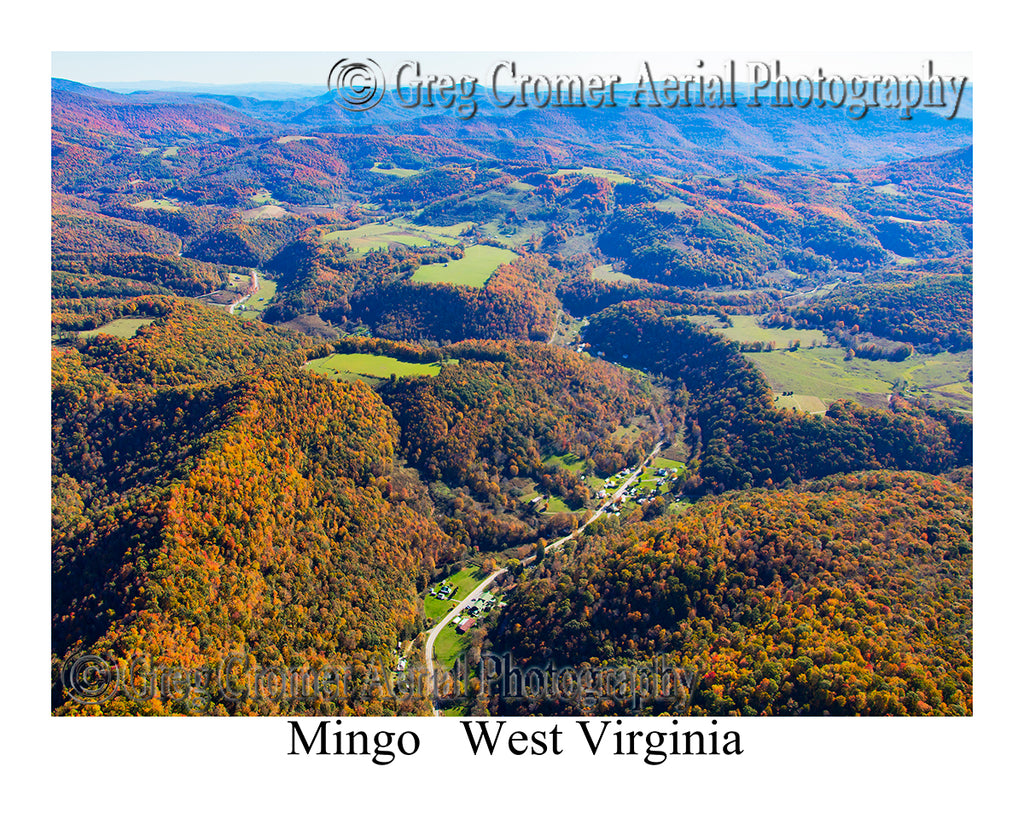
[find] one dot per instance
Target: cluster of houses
(636, 493)
(612, 483)
(484, 602)
(444, 592)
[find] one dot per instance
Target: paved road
(252, 289)
(428, 649)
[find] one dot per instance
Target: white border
(842, 767)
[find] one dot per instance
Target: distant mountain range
(649, 140)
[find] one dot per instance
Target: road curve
(428, 649)
(252, 289)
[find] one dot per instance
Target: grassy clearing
(746, 328)
(569, 461)
(401, 173)
(472, 270)
(263, 198)
(449, 646)
(119, 328)
(438, 232)
(555, 505)
(253, 307)
(380, 235)
(264, 212)
(375, 236)
(805, 403)
(463, 581)
(631, 432)
(606, 273)
(157, 204)
(824, 373)
(170, 152)
(612, 176)
(293, 138)
(673, 205)
(368, 367)
(667, 463)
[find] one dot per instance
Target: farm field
(264, 198)
(381, 235)
(264, 212)
(253, 307)
(673, 205)
(606, 273)
(119, 328)
(368, 367)
(604, 173)
(157, 204)
(746, 328)
(569, 461)
(472, 270)
(804, 403)
(401, 173)
(439, 232)
(824, 373)
(450, 645)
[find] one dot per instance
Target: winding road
(428, 649)
(252, 289)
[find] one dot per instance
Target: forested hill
(741, 438)
(845, 596)
(208, 506)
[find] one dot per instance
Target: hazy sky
(311, 68)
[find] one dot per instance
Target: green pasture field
(401, 173)
(464, 582)
(263, 198)
(569, 461)
(746, 328)
(119, 328)
(604, 173)
(472, 270)
(157, 204)
(606, 273)
(555, 505)
(449, 646)
(805, 403)
(673, 205)
(437, 232)
(253, 307)
(293, 138)
(264, 212)
(375, 236)
(667, 463)
(824, 373)
(379, 235)
(368, 367)
(170, 152)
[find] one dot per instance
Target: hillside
(846, 596)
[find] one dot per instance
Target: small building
(466, 625)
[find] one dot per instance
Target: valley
(660, 387)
